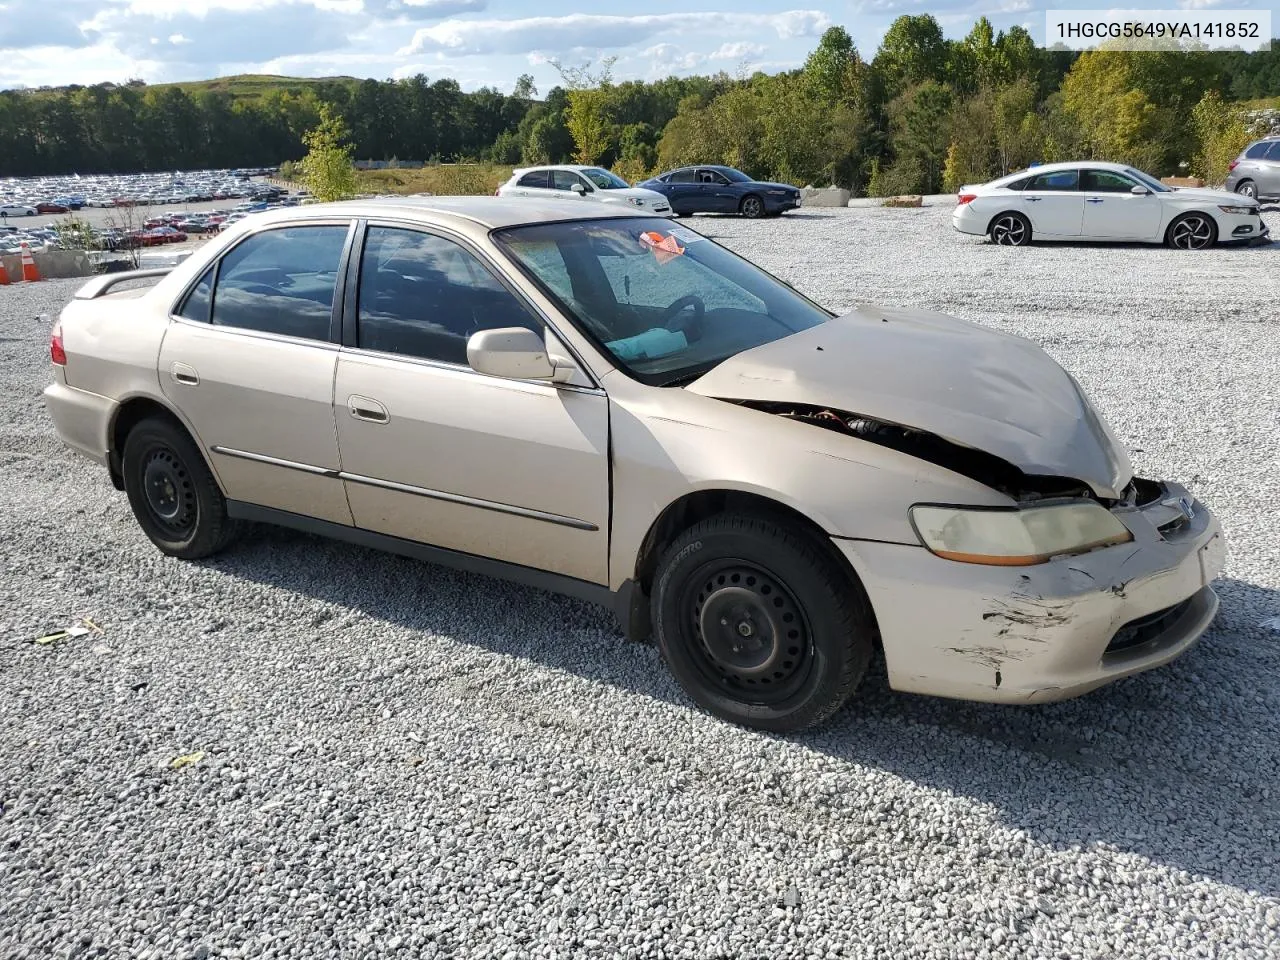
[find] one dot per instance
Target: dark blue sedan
(716, 189)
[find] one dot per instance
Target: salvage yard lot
(401, 760)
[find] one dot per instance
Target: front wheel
(759, 625)
(1010, 230)
(1192, 231)
(172, 491)
(752, 207)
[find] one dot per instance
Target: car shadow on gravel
(1178, 765)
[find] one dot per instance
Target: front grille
(1137, 632)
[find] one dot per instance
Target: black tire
(1010, 229)
(172, 491)
(751, 207)
(759, 625)
(1192, 231)
(1247, 188)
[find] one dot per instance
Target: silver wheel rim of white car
(1009, 231)
(1193, 232)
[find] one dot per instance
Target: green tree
(327, 169)
(1221, 133)
(913, 51)
(588, 115)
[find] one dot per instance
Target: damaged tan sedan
(618, 408)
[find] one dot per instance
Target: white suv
(582, 183)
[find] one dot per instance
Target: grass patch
(443, 180)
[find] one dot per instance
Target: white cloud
(479, 37)
(741, 50)
(667, 56)
(177, 39)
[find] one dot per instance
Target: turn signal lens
(1016, 538)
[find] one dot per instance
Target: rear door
(249, 361)
(1054, 204)
(535, 183)
(1112, 211)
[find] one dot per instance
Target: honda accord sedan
(614, 407)
(718, 189)
(1103, 201)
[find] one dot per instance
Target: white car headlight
(635, 201)
(1016, 538)
(1240, 211)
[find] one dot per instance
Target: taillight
(965, 198)
(1232, 165)
(56, 353)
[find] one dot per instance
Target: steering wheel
(672, 320)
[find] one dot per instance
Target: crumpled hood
(967, 383)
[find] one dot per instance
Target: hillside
(255, 85)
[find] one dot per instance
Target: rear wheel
(752, 207)
(1010, 230)
(759, 625)
(1247, 188)
(172, 491)
(1192, 231)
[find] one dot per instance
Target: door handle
(1033, 199)
(364, 408)
(183, 373)
(1093, 199)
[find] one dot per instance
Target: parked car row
(66, 193)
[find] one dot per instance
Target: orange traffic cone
(29, 271)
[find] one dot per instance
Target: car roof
(465, 213)
(577, 168)
(1075, 165)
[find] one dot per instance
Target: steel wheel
(1248, 189)
(752, 207)
(1010, 230)
(750, 633)
(1195, 231)
(170, 494)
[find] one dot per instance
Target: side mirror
(1140, 190)
(515, 353)
(579, 189)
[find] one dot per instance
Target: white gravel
(404, 761)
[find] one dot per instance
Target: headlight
(1016, 538)
(1241, 211)
(635, 201)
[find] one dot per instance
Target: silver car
(616, 407)
(1256, 172)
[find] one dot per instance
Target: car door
(715, 193)
(1112, 211)
(1054, 204)
(1268, 177)
(434, 452)
(249, 361)
(563, 183)
(535, 183)
(683, 191)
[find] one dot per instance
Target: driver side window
(1104, 181)
(566, 180)
(424, 296)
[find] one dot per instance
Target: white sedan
(17, 210)
(564, 181)
(1106, 202)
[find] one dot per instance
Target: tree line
(924, 113)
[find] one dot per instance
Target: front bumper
(1051, 631)
(1235, 228)
(777, 204)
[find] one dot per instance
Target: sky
(477, 42)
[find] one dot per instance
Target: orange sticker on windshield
(664, 248)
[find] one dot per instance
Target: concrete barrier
(911, 200)
(52, 264)
(1182, 181)
(824, 197)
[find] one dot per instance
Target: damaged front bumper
(1051, 631)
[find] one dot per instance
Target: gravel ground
(399, 760)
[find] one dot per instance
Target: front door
(434, 452)
(249, 361)
(683, 192)
(715, 193)
(1054, 204)
(1112, 211)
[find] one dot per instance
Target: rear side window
(281, 281)
(681, 176)
(1058, 180)
(535, 178)
(424, 296)
(196, 306)
(1018, 184)
(1258, 150)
